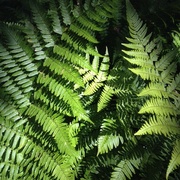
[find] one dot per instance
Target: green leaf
(160, 125)
(175, 159)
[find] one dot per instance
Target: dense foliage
(89, 90)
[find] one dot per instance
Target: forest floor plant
(89, 91)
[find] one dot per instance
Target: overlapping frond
(175, 159)
(125, 169)
(108, 138)
(17, 68)
(161, 72)
(162, 125)
(68, 102)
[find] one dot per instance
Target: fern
(56, 22)
(42, 24)
(159, 107)
(108, 139)
(155, 90)
(105, 97)
(66, 71)
(100, 77)
(160, 72)
(175, 160)
(52, 125)
(161, 125)
(65, 94)
(125, 169)
(70, 99)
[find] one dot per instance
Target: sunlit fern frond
(64, 93)
(162, 125)
(101, 76)
(108, 138)
(155, 90)
(105, 97)
(175, 159)
(18, 150)
(159, 107)
(160, 69)
(65, 70)
(52, 124)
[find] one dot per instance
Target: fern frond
(104, 68)
(159, 107)
(42, 24)
(32, 38)
(160, 125)
(54, 125)
(18, 151)
(147, 73)
(175, 85)
(65, 70)
(176, 37)
(165, 61)
(93, 87)
(168, 74)
(105, 97)
(108, 142)
(83, 33)
(65, 11)
(155, 90)
(85, 21)
(9, 112)
(17, 67)
(64, 93)
(73, 57)
(108, 138)
(125, 169)
(56, 22)
(175, 159)
(101, 76)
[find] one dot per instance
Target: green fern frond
(54, 103)
(159, 107)
(101, 76)
(147, 73)
(176, 37)
(54, 16)
(65, 70)
(32, 38)
(85, 21)
(165, 61)
(175, 159)
(175, 85)
(168, 74)
(105, 97)
(18, 151)
(65, 94)
(17, 67)
(54, 125)
(108, 138)
(64, 6)
(42, 24)
(108, 142)
(9, 112)
(155, 90)
(83, 33)
(93, 87)
(125, 169)
(73, 57)
(104, 68)
(160, 125)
